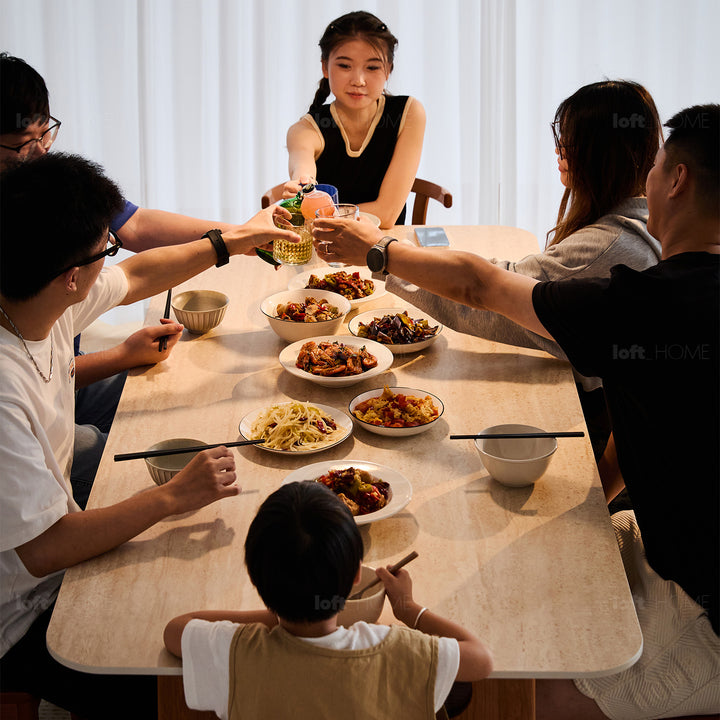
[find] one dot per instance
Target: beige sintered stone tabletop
(533, 571)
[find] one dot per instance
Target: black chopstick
(180, 451)
(516, 436)
(393, 570)
(162, 343)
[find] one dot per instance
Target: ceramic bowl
(292, 331)
(368, 316)
(515, 462)
(395, 431)
(200, 310)
(369, 606)
(165, 467)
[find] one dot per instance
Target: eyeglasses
(45, 140)
(559, 146)
(114, 244)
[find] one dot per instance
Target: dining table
(535, 571)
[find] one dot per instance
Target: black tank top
(358, 179)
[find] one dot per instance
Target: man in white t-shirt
(54, 218)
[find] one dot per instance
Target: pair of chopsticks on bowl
(180, 451)
(517, 436)
(393, 570)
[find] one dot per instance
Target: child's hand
(399, 592)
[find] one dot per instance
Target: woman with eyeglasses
(606, 135)
(367, 142)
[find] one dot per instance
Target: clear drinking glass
(293, 253)
(342, 210)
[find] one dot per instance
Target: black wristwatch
(377, 255)
(215, 237)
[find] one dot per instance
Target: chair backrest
(271, 196)
(424, 191)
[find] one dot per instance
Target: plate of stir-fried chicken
(336, 360)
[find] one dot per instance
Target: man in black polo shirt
(654, 339)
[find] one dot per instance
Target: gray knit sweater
(618, 238)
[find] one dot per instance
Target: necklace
(27, 350)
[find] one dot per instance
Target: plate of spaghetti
(372, 492)
(296, 428)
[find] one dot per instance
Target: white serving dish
(395, 432)
(293, 331)
(300, 281)
(368, 316)
(288, 358)
(342, 420)
(400, 488)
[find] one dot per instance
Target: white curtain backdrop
(186, 103)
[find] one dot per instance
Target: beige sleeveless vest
(275, 675)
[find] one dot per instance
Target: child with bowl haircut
(304, 552)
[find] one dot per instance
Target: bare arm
(475, 658)
(140, 348)
(78, 536)
(399, 177)
(156, 228)
(461, 276)
(174, 629)
(304, 145)
(158, 269)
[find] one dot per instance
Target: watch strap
(216, 238)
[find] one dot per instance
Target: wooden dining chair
(18, 706)
(424, 192)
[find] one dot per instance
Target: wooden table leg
(501, 700)
(171, 701)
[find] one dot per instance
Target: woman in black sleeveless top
(366, 143)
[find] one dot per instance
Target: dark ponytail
(321, 96)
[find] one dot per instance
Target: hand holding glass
(338, 210)
(288, 252)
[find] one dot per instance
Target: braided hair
(354, 25)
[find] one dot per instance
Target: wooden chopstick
(162, 343)
(513, 436)
(393, 570)
(180, 451)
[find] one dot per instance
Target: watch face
(375, 259)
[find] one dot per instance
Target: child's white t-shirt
(206, 659)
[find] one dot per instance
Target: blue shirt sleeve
(123, 216)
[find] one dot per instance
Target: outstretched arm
(147, 228)
(158, 269)
(303, 144)
(461, 276)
